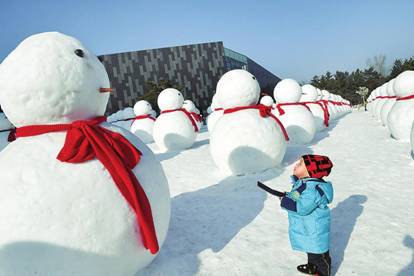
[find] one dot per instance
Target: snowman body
(70, 219)
(309, 94)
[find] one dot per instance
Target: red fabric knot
(188, 114)
(406, 98)
(264, 111)
(86, 140)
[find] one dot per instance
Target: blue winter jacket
(309, 215)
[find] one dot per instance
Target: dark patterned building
(196, 68)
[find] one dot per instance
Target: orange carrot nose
(105, 90)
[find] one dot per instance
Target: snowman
(401, 115)
(215, 115)
(79, 196)
(247, 138)
(296, 117)
(175, 129)
(195, 113)
(143, 123)
(310, 98)
(389, 102)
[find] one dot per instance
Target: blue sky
(291, 38)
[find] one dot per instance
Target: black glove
(269, 190)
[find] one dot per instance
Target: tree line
(346, 83)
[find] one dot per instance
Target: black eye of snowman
(79, 53)
(253, 78)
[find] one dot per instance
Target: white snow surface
(227, 226)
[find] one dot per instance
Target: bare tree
(363, 92)
(378, 64)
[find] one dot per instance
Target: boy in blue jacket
(309, 215)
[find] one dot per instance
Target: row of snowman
(175, 128)
(392, 104)
(248, 135)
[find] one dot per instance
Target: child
(309, 215)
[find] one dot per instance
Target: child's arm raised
(302, 201)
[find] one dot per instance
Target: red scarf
(281, 111)
(12, 134)
(218, 109)
(141, 117)
(325, 112)
(196, 116)
(188, 114)
(265, 111)
(405, 98)
(86, 140)
(386, 97)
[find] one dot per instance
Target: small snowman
(216, 114)
(175, 129)
(195, 113)
(247, 138)
(79, 196)
(295, 116)
(401, 115)
(143, 123)
(309, 97)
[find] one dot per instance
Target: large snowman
(246, 139)
(296, 117)
(143, 123)
(401, 115)
(175, 129)
(73, 216)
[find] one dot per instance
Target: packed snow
(227, 226)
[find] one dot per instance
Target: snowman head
(267, 101)
(287, 91)
(52, 78)
(390, 88)
(237, 88)
(404, 84)
(309, 93)
(142, 107)
(170, 98)
(189, 106)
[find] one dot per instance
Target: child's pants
(322, 261)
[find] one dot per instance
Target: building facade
(195, 68)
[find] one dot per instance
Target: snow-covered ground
(227, 226)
